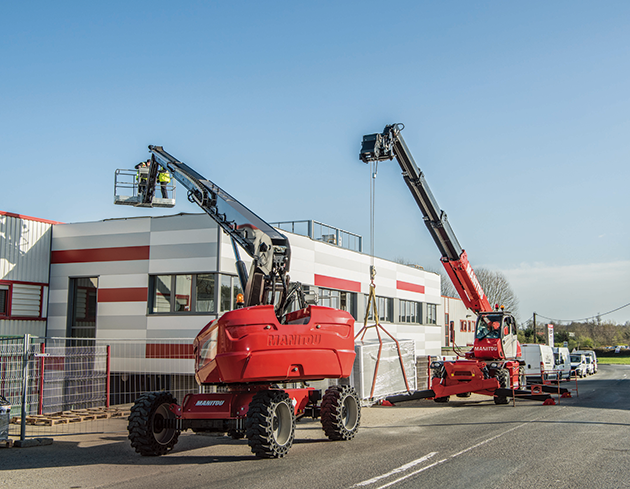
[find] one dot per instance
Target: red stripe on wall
(28, 218)
(169, 350)
(400, 285)
(126, 253)
(129, 294)
(337, 283)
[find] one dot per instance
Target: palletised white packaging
(389, 379)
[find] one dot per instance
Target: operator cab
(130, 187)
(497, 327)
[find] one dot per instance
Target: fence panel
(75, 385)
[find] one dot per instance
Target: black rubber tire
(340, 412)
(464, 394)
(442, 399)
(503, 376)
(146, 424)
(270, 424)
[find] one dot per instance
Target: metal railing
(127, 190)
(323, 232)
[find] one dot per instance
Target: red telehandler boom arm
(492, 364)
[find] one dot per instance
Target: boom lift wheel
(152, 424)
(270, 424)
(341, 412)
(503, 376)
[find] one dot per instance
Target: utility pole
(535, 339)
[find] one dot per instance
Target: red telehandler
(253, 356)
(492, 366)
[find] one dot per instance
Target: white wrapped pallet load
(389, 379)
(5, 415)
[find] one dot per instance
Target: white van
(593, 362)
(534, 356)
(562, 359)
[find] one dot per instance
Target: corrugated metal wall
(24, 249)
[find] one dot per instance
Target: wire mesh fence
(69, 385)
(59, 386)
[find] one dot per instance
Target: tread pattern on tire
(332, 415)
(259, 424)
(141, 424)
(503, 376)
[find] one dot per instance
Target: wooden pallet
(74, 416)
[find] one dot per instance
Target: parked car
(578, 365)
(592, 355)
(562, 359)
(534, 355)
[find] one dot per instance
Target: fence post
(109, 355)
(40, 409)
(27, 343)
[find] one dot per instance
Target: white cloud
(573, 291)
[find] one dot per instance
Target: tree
(498, 289)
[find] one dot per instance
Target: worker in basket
(142, 176)
(164, 177)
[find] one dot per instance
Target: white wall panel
(123, 281)
(100, 228)
(122, 309)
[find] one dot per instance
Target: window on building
(82, 307)
(4, 300)
(208, 293)
(22, 299)
(339, 299)
(409, 312)
(463, 325)
(385, 308)
(204, 289)
(431, 313)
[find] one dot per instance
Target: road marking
(402, 468)
(426, 457)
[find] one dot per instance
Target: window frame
(217, 297)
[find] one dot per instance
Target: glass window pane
(236, 289)
(162, 294)
(4, 300)
(183, 292)
(226, 293)
(205, 293)
(83, 313)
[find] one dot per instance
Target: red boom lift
(251, 355)
(492, 366)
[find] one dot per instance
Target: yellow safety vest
(164, 177)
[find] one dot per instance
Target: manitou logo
(487, 348)
(293, 339)
(474, 280)
(209, 403)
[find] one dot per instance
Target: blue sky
(517, 113)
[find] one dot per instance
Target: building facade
(167, 277)
(161, 278)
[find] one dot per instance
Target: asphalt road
(582, 442)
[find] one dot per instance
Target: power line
(584, 319)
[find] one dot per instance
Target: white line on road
(400, 469)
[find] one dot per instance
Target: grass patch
(614, 360)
